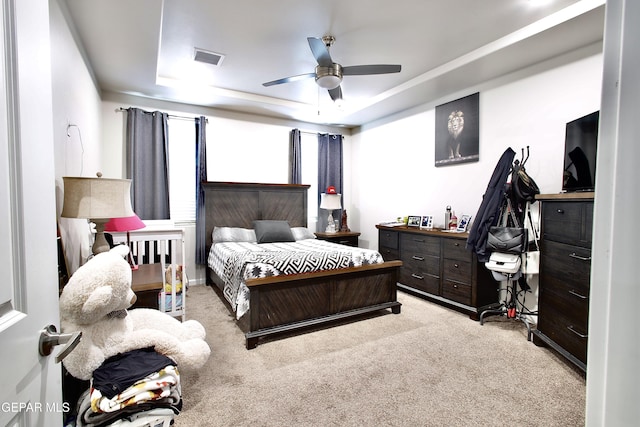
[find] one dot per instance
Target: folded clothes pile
(128, 386)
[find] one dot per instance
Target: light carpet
(427, 366)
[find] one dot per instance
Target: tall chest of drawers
(565, 265)
(437, 266)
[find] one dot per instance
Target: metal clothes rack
(512, 307)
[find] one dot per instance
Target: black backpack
(523, 187)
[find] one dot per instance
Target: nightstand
(348, 238)
(147, 282)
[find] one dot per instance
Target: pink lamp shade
(124, 224)
(127, 223)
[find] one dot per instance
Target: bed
(278, 302)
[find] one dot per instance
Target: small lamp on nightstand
(330, 201)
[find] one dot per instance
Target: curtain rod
(308, 132)
(173, 116)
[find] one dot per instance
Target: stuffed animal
(95, 301)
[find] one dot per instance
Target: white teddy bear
(95, 301)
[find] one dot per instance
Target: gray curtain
(201, 176)
(295, 157)
(147, 164)
(329, 172)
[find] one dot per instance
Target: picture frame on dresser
(427, 222)
(463, 223)
(414, 221)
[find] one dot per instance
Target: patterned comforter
(236, 262)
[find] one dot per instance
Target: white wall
(77, 148)
(395, 173)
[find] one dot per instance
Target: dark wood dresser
(437, 266)
(565, 266)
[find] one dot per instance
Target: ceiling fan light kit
(329, 77)
(328, 74)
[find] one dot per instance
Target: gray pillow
(269, 231)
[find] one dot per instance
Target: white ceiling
(146, 48)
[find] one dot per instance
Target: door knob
(49, 338)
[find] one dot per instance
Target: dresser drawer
(456, 291)
(568, 222)
(557, 297)
(388, 254)
(388, 239)
(457, 271)
(421, 262)
(420, 271)
(454, 249)
(568, 264)
(420, 279)
(416, 243)
(564, 332)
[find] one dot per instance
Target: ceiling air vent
(208, 57)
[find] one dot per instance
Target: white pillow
(233, 234)
(302, 233)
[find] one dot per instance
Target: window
(182, 169)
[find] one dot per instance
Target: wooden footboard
(285, 303)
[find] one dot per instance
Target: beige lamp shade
(96, 198)
(99, 200)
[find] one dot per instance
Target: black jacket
(490, 207)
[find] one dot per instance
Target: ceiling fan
(328, 74)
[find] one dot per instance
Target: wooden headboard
(238, 204)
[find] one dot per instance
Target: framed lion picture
(458, 131)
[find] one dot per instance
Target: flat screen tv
(580, 146)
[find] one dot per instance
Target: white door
(30, 385)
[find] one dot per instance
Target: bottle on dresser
(447, 218)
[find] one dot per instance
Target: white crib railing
(164, 246)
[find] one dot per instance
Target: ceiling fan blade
(359, 70)
(335, 93)
(320, 51)
(289, 79)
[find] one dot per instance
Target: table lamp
(330, 201)
(127, 224)
(98, 200)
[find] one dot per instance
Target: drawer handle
(456, 265)
(456, 244)
(415, 276)
(581, 258)
(560, 211)
(572, 329)
(418, 258)
(418, 240)
(343, 242)
(574, 293)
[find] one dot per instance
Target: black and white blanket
(236, 262)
